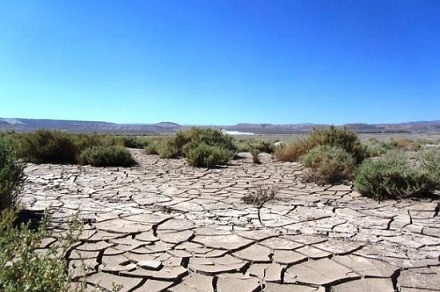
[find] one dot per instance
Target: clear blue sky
(221, 61)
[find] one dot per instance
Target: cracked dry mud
(165, 226)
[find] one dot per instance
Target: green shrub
(430, 162)
(84, 141)
(328, 164)
(203, 155)
(195, 136)
(331, 136)
(342, 138)
(11, 174)
(107, 156)
(392, 176)
(45, 146)
(292, 151)
(152, 148)
(26, 269)
(167, 149)
(373, 147)
(255, 158)
(135, 142)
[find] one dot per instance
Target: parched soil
(165, 226)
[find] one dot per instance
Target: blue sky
(221, 61)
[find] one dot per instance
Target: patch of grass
(328, 164)
(260, 195)
(11, 174)
(392, 176)
(152, 148)
(107, 156)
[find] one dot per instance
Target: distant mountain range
(28, 125)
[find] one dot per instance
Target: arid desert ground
(166, 226)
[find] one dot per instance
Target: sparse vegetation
(11, 174)
(107, 156)
(328, 164)
(373, 147)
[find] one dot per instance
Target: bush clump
(430, 161)
(204, 155)
(292, 151)
(201, 147)
(48, 147)
(331, 136)
(393, 176)
(328, 164)
(24, 267)
(107, 156)
(11, 174)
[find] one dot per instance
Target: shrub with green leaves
(331, 136)
(328, 164)
(430, 162)
(204, 155)
(45, 146)
(393, 176)
(373, 147)
(107, 156)
(11, 174)
(339, 137)
(23, 268)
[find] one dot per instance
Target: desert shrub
(26, 269)
(405, 144)
(167, 149)
(45, 146)
(85, 141)
(255, 155)
(242, 145)
(107, 156)
(328, 164)
(331, 136)
(204, 155)
(11, 174)
(260, 195)
(212, 137)
(392, 176)
(292, 151)
(135, 142)
(373, 147)
(152, 148)
(342, 138)
(430, 162)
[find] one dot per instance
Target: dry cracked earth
(165, 226)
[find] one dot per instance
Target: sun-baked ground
(165, 226)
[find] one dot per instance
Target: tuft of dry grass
(260, 195)
(293, 151)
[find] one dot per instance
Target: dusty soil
(165, 226)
